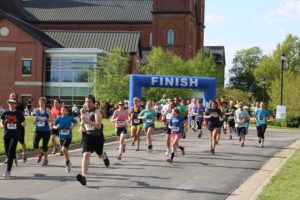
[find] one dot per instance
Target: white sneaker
(6, 174)
(68, 167)
(167, 152)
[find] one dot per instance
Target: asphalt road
(142, 175)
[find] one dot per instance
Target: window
(171, 37)
(150, 39)
(26, 66)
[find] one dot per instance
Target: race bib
(136, 121)
(230, 117)
(175, 121)
(262, 121)
(64, 132)
(149, 120)
(89, 127)
(121, 122)
(11, 126)
(40, 124)
(215, 115)
(175, 128)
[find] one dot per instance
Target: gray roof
(145, 54)
(88, 10)
(105, 40)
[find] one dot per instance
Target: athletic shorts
(167, 130)
(146, 128)
(176, 134)
(231, 124)
(199, 124)
(91, 143)
(22, 135)
(241, 131)
(211, 128)
(66, 143)
(135, 127)
(261, 131)
(193, 117)
(221, 124)
(121, 130)
(54, 132)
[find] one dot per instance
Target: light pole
(283, 58)
(264, 88)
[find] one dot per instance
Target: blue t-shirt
(64, 126)
(177, 124)
(260, 116)
(42, 125)
(12, 123)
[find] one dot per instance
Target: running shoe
(124, 148)
(55, 150)
(106, 160)
(167, 152)
(132, 144)
(68, 167)
(39, 158)
(150, 148)
(6, 174)
(199, 135)
(170, 160)
(259, 141)
(182, 150)
(213, 151)
(120, 157)
(137, 149)
(81, 179)
(61, 153)
(242, 144)
(230, 137)
(24, 158)
(261, 146)
(240, 139)
(183, 137)
(45, 162)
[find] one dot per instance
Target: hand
(23, 124)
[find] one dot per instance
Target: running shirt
(55, 112)
(163, 101)
(150, 116)
(64, 126)
(214, 121)
(199, 112)
(121, 117)
(240, 118)
(261, 117)
(42, 124)
(90, 129)
(177, 124)
(167, 115)
(182, 109)
(230, 117)
(12, 123)
(134, 116)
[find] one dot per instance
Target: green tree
(110, 78)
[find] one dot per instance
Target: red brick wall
(11, 63)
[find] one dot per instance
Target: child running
(64, 124)
(120, 118)
(177, 128)
(11, 121)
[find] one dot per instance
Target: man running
(241, 117)
(230, 110)
(92, 136)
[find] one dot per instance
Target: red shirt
(55, 112)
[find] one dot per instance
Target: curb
(254, 185)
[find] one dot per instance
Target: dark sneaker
(119, 157)
(230, 137)
(81, 179)
(170, 161)
(240, 139)
(199, 135)
(259, 141)
(61, 153)
(106, 160)
(39, 158)
(45, 162)
(212, 151)
(24, 158)
(182, 151)
(68, 167)
(242, 144)
(132, 144)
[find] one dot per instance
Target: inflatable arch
(137, 81)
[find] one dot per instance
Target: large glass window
(26, 66)
(171, 37)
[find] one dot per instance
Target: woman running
(262, 116)
(42, 130)
(148, 116)
(11, 121)
(198, 112)
(120, 118)
(166, 116)
(64, 124)
(213, 119)
(177, 129)
(136, 124)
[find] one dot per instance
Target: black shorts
(199, 124)
(241, 131)
(54, 132)
(231, 124)
(193, 117)
(211, 128)
(91, 143)
(21, 138)
(66, 143)
(167, 130)
(261, 131)
(119, 131)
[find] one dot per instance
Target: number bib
(175, 128)
(136, 121)
(89, 127)
(149, 120)
(40, 124)
(121, 122)
(64, 132)
(11, 126)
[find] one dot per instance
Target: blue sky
(241, 24)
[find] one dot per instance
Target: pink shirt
(121, 117)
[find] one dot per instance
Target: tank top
(42, 126)
(135, 121)
(121, 119)
(90, 129)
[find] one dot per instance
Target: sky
(242, 24)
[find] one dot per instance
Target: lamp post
(264, 88)
(283, 58)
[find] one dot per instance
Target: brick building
(38, 38)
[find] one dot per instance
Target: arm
(114, 117)
(98, 120)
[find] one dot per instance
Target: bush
(293, 120)
(278, 122)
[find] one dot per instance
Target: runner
(166, 116)
(42, 130)
(92, 136)
(136, 124)
(262, 116)
(212, 115)
(191, 117)
(176, 126)
(64, 124)
(163, 100)
(199, 112)
(120, 118)
(148, 116)
(11, 121)
(21, 139)
(55, 111)
(241, 117)
(230, 118)
(183, 112)
(224, 105)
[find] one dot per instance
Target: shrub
(293, 120)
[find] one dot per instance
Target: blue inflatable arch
(137, 81)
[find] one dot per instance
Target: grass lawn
(286, 184)
(109, 130)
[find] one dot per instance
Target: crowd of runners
(176, 115)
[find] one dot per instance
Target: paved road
(140, 175)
